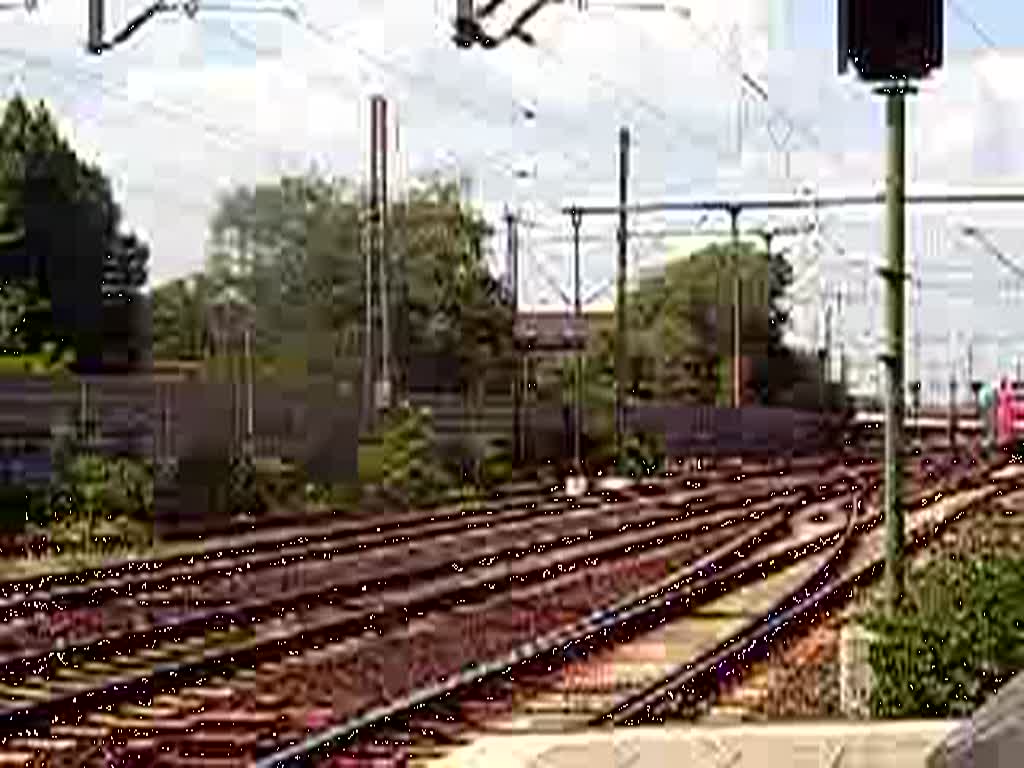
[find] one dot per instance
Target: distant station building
(550, 338)
(558, 334)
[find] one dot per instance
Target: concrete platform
(904, 744)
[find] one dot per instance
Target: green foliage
(412, 471)
(680, 326)
(100, 503)
(15, 501)
(24, 317)
(181, 319)
(257, 486)
(46, 362)
(343, 496)
(68, 244)
(372, 462)
(243, 493)
(644, 454)
(292, 251)
(955, 638)
(497, 467)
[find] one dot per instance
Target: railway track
(140, 672)
(399, 602)
(166, 594)
(438, 723)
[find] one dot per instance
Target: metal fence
(688, 430)
(178, 424)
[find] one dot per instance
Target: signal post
(891, 45)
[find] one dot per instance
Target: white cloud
(188, 105)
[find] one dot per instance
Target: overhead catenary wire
(224, 136)
(227, 137)
(972, 23)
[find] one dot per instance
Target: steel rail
(15, 591)
(760, 630)
(343, 621)
(622, 613)
(598, 623)
(170, 626)
(603, 622)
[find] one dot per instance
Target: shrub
(497, 466)
(15, 503)
(645, 454)
(955, 638)
(243, 491)
(412, 471)
(101, 503)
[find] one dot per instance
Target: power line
(678, 128)
(455, 97)
(971, 22)
(219, 134)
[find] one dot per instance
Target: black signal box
(886, 40)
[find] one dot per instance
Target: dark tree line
(71, 276)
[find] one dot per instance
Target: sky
(189, 108)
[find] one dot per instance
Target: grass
(18, 365)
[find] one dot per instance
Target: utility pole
(249, 389)
(512, 256)
(577, 422)
(915, 389)
(970, 362)
(369, 242)
(826, 369)
(895, 278)
(737, 311)
(952, 413)
(842, 347)
(400, 281)
(380, 107)
(621, 356)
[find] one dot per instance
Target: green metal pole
(621, 353)
(894, 275)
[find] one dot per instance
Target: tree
(181, 318)
(69, 220)
(290, 250)
(24, 318)
(680, 332)
(126, 312)
(456, 308)
(293, 252)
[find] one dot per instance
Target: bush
(497, 466)
(955, 638)
(372, 463)
(15, 506)
(412, 472)
(343, 496)
(243, 493)
(101, 503)
(644, 453)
